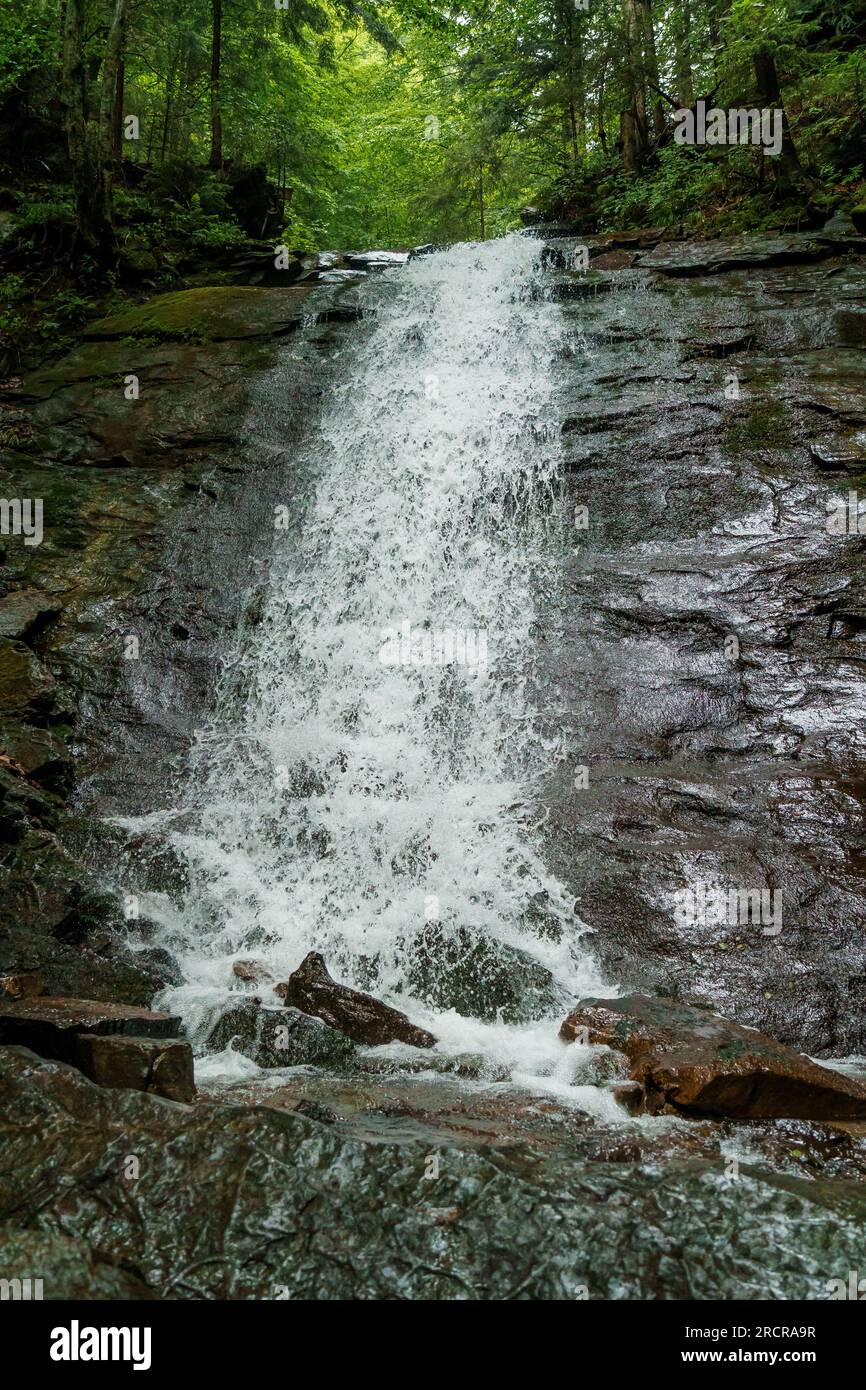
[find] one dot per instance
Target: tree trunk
(216, 120)
(117, 114)
(481, 200)
(110, 74)
(91, 203)
(685, 90)
(651, 66)
(770, 95)
(602, 132)
(634, 131)
(628, 135)
(166, 117)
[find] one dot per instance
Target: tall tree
(216, 116)
(91, 200)
(770, 95)
(111, 101)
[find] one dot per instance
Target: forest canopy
(392, 123)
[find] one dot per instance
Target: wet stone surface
(700, 647)
(234, 1201)
(148, 504)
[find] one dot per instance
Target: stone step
(50, 1026)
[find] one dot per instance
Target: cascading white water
(357, 795)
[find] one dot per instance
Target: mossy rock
(216, 313)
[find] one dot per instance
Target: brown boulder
(358, 1015)
(687, 1059)
(50, 1026)
(27, 984)
(160, 1066)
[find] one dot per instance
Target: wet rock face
(75, 1270)
(148, 502)
(233, 1201)
(700, 646)
(360, 1016)
(689, 1060)
(479, 978)
(737, 253)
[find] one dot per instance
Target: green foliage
(396, 121)
(13, 288)
(28, 36)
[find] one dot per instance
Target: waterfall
(372, 794)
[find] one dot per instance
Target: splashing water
(370, 790)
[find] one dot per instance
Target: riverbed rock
(67, 1268)
(280, 1037)
(235, 1201)
(160, 1066)
(687, 1059)
(51, 1026)
(252, 972)
(361, 1017)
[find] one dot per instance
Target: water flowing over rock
(477, 977)
(689, 1059)
(356, 784)
(359, 1016)
(465, 749)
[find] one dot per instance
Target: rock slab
(687, 1059)
(51, 1026)
(279, 1037)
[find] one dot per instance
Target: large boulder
(688, 1059)
(361, 1017)
(239, 1201)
